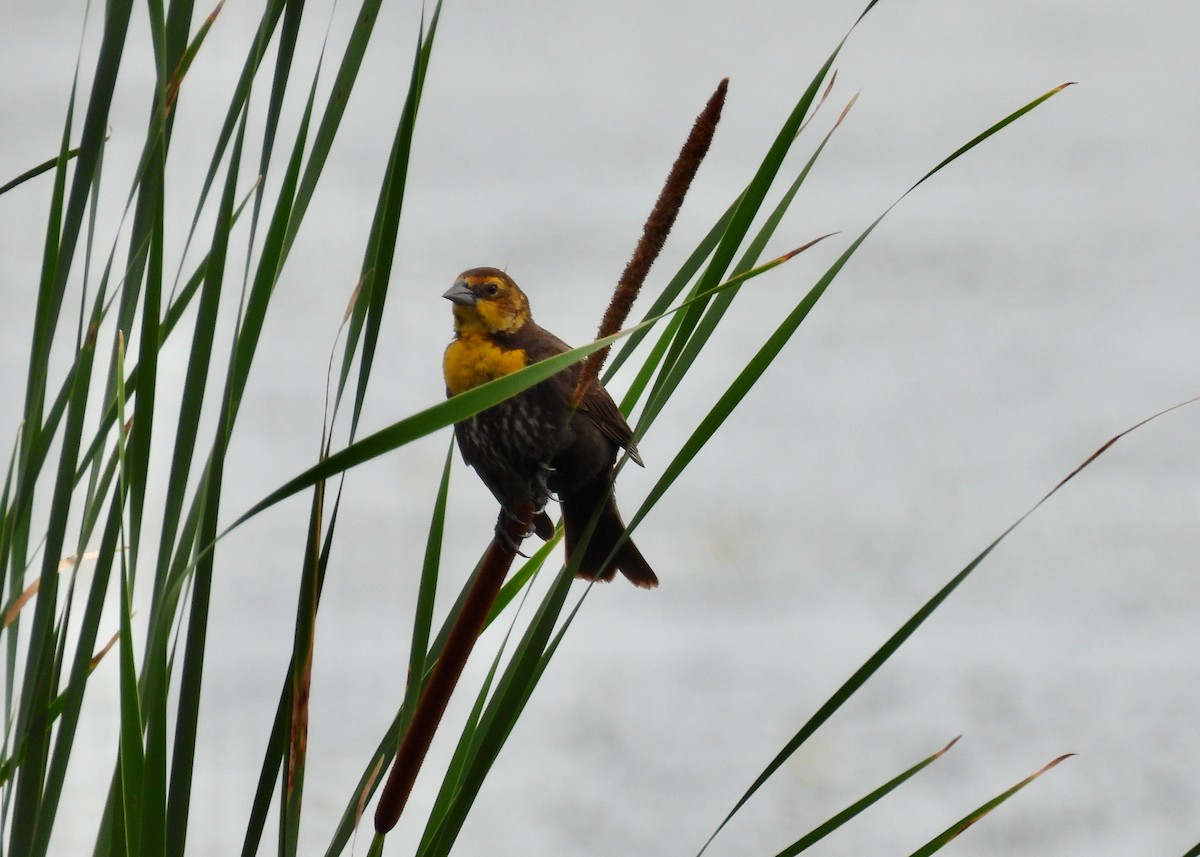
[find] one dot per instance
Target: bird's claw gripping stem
(505, 537)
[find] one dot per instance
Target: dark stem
(444, 676)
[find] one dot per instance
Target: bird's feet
(510, 540)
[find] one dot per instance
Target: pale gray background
(1002, 323)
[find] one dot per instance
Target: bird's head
(486, 300)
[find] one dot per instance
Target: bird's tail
(577, 511)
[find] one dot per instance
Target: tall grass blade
(894, 642)
(499, 717)
(178, 789)
(966, 821)
(426, 592)
(34, 172)
(461, 406)
(38, 687)
(697, 328)
(381, 247)
(753, 371)
(132, 754)
(65, 233)
(820, 832)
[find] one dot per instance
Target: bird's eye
(492, 290)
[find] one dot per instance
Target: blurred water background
(1004, 321)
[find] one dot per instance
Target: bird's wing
(539, 344)
(598, 405)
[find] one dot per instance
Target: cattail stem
(654, 233)
(445, 674)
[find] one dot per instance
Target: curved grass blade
(496, 723)
(132, 755)
(381, 248)
(426, 592)
(40, 676)
(820, 832)
(34, 172)
(749, 376)
(966, 821)
(290, 702)
(466, 750)
(463, 405)
(881, 655)
(241, 95)
(686, 345)
(423, 423)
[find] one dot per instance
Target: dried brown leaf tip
(946, 749)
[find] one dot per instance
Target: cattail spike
(655, 232)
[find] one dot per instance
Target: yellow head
(486, 300)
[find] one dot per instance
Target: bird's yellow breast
(474, 359)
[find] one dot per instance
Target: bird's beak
(460, 293)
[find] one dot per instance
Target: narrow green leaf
(425, 422)
(38, 684)
(746, 209)
(381, 249)
(461, 406)
(34, 172)
(823, 830)
(894, 642)
(273, 757)
(687, 346)
(970, 818)
(71, 700)
(163, 608)
(498, 718)
(763, 359)
(132, 759)
(426, 592)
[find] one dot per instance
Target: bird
(534, 445)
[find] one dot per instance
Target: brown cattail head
(655, 232)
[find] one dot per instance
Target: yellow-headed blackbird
(532, 445)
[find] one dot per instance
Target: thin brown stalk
(446, 672)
